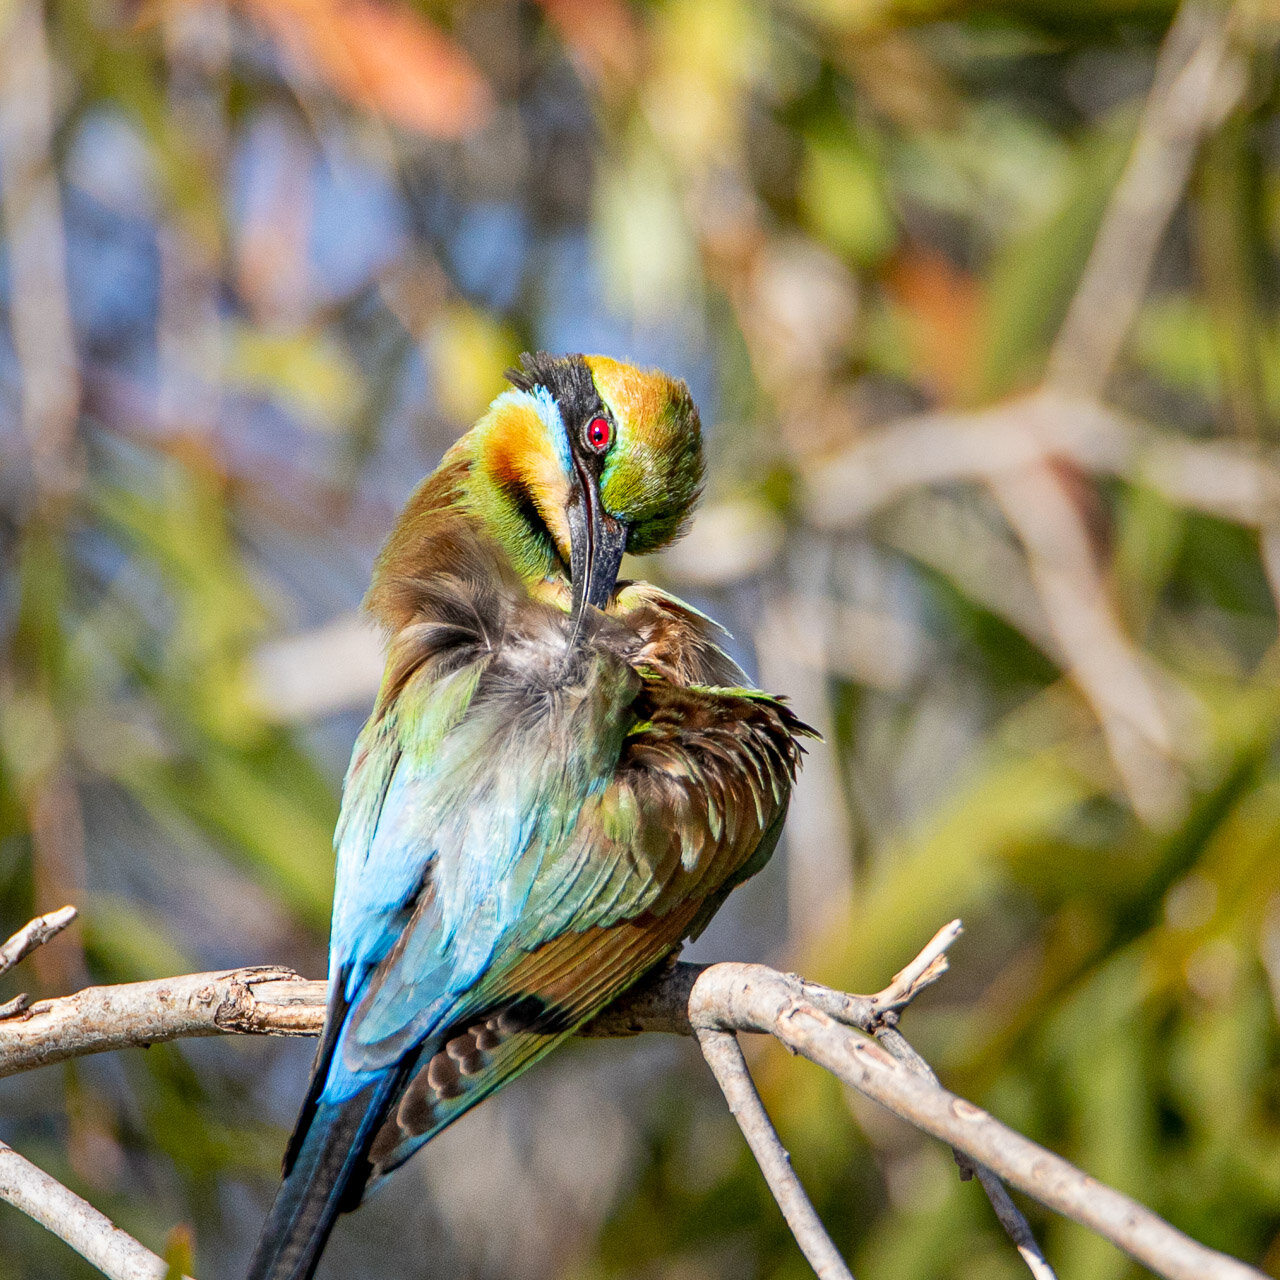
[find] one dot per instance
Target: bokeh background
(978, 301)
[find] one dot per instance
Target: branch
(275, 1001)
(755, 998)
(724, 1057)
(270, 1001)
(34, 934)
(91, 1234)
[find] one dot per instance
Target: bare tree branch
(33, 934)
(755, 998)
(91, 1234)
(724, 1057)
(276, 1001)
(268, 1000)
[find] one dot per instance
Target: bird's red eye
(599, 434)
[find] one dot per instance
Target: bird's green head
(584, 459)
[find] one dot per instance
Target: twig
(1013, 1221)
(922, 972)
(724, 1057)
(34, 934)
(869, 1013)
(91, 1234)
(1010, 1216)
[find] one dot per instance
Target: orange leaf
(942, 306)
(601, 34)
(385, 58)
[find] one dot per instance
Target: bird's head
(584, 459)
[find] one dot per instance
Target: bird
(563, 777)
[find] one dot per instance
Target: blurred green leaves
(838, 215)
(842, 198)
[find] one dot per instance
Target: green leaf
(842, 197)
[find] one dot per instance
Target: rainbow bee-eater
(563, 777)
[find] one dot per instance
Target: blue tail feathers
(326, 1177)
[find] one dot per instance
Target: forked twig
(878, 1015)
(754, 998)
(825, 1026)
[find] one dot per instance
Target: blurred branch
(309, 674)
(39, 321)
(1018, 449)
(820, 858)
(190, 341)
(91, 1234)
(1233, 482)
(39, 311)
(828, 1027)
(1198, 81)
(1107, 668)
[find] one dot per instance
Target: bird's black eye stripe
(569, 381)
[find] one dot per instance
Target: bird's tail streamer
(319, 1185)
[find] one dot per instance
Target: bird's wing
(692, 804)
(384, 853)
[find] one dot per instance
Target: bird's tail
(326, 1177)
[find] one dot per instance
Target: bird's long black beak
(596, 544)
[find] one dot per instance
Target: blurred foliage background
(979, 304)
